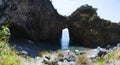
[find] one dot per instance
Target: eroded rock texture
(34, 19)
(88, 29)
(38, 20)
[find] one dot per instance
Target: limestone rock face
(34, 19)
(88, 29)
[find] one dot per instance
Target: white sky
(107, 9)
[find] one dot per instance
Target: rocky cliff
(38, 20)
(33, 19)
(88, 29)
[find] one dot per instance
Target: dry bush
(81, 59)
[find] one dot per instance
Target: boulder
(23, 54)
(102, 53)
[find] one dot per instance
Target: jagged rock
(47, 57)
(34, 19)
(102, 53)
(72, 58)
(23, 54)
(88, 29)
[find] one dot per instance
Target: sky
(107, 9)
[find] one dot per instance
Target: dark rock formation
(33, 19)
(88, 29)
(3, 15)
(38, 20)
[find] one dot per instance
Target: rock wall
(88, 29)
(34, 19)
(38, 20)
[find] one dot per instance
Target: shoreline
(33, 57)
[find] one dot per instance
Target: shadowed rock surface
(33, 48)
(38, 20)
(34, 19)
(88, 29)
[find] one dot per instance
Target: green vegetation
(8, 55)
(115, 55)
(112, 56)
(101, 61)
(88, 28)
(60, 55)
(41, 53)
